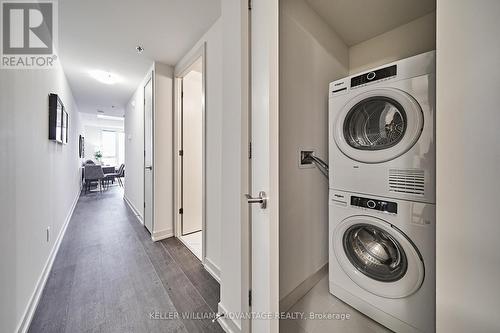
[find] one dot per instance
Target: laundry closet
(322, 41)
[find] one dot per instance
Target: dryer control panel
(375, 204)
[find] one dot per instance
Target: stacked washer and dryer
(382, 193)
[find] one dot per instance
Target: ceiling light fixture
(104, 77)
(100, 116)
(139, 49)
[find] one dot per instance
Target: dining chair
(93, 173)
(116, 175)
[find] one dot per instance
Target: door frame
(178, 75)
(150, 78)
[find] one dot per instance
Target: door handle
(148, 168)
(261, 199)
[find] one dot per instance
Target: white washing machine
(381, 259)
(381, 130)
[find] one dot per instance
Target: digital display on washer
(383, 206)
(373, 76)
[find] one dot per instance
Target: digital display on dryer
(383, 206)
(379, 74)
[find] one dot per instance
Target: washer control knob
(371, 204)
(371, 75)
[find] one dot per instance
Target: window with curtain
(113, 147)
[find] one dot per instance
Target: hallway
(110, 277)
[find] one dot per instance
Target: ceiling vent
(409, 181)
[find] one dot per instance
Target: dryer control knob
(371, 204)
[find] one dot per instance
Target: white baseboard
(133, 209)
(212, 269)
(162, 234)
(227, 323)
(42, 280)
(302, 289)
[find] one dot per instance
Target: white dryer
(381, 130)
(381, 259)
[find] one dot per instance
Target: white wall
(134, 150)
(311, 56)
(468, 160)
(415, 37)
(213, 118)
(163, 159)
(92, 141)
(40, 183)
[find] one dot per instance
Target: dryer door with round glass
(378, 125)
(378, 257)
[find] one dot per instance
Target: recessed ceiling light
(104, 77)
(139, 49)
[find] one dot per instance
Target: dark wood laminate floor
(109, 277)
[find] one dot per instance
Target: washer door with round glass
(378, 257)
(378, 125)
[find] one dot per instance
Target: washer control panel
(383, 206)
(376, 75)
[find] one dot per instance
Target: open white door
(148, 155)
(264, 162)
(192, 150)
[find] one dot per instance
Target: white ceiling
(103, 34)
(358, 20)
(87, 119)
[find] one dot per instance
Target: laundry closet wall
(311, 56)
(412, 38)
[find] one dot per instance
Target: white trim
(226, 322)
(133, 209)
(302, 289)
(213, 269)
(162, 234)
(42, 280)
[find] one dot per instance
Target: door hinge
(181, 152)
(181, 210)
(144, 204)
(249, 4)
(250, 297)
(182, 94)
(250, 150)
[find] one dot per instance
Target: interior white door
(192, 151)
(148, 155)
(264, 161)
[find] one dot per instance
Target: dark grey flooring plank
(184, 295)
(206, 285)
(109, 276)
